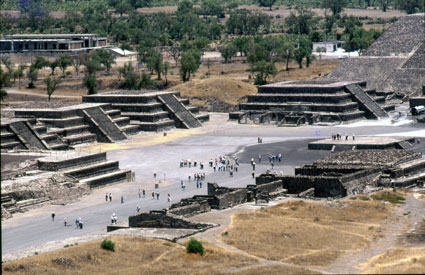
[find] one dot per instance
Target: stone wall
(162, 219)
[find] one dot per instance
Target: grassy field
(131, 256)
(308, 234)
(397, 261)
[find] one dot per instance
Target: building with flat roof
(51, 44)
(330, 46)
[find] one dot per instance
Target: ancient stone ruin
(312, 102)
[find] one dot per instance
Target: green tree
(301, 22)
(175, 51)
(242, 45)
(264, 69)
(90, 83)
(320, 50)
(165, 68)
(228, 51)
(104, 57)
(40, 62)
(20, 74)
(53, 65)
(212, 7)
(190, 62)
(63, 62)
(385, 4)
(410, 6)
(7, 62)
(51, 85)
(335, 6)
(92, 65)
(266, 3)
(3, 81)
(286, 50)
(32, 75)
(154, 62)
(77, 61)
(123, 7)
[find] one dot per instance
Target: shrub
(108, 245)
(195, 246)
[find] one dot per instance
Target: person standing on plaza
(65, 221)
(110, 197)
(157, 196)
(143, 193)
(137, 209)
(253, 174)
(140, 194)
(53, 216)
(169, 198)
(153, 195)
(106, 197)
(122, 199)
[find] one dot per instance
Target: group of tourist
(338, 136)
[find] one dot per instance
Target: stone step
(80, 138)
(63, 122)
(92, 170)
(58, 146)
(49, 136)
(8, 137)
(146, 116)
(138, 107)
(412, 179)
(41, 129)
(155, 126)
(113, 113)
(66, 162)
(73, 130)
(27, 136)
(301, 97)
(203, 117)
(122, 120)
(11, 145)
(130, 129)
(23, 205)
(299, 106)
(113, 177)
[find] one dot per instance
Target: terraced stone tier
(61, 162)
(337, 97)
(160, 125)
(146, 116)
(300, 106)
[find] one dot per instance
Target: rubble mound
(215, 92)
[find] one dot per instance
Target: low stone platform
(362, 143)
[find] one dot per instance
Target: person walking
(143, 193)
(140, 194)
(122, 199)
(137, 209)
(153, 195)
(157, 196)
(169, 198)
(64, 222)
(183, 187)
(81, 224)
(106, 197)
(200, 184)
(53, 216)
(110, 197)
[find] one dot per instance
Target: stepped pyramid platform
(92, 169)
(29, 134)
(81, 123)
(152, 111)
(313, 101)
(362, 143)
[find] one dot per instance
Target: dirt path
(14, 91)
(393, 228)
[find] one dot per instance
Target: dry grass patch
(223, 88)
(397, 261)
(306, 233)
(132, 256)
(274, 269)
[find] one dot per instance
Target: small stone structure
(152, 111)
(418, 100)
(362, 143)
(311, 102)
(60, 178)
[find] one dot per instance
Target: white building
(330, 46)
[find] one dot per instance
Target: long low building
(50, 44)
